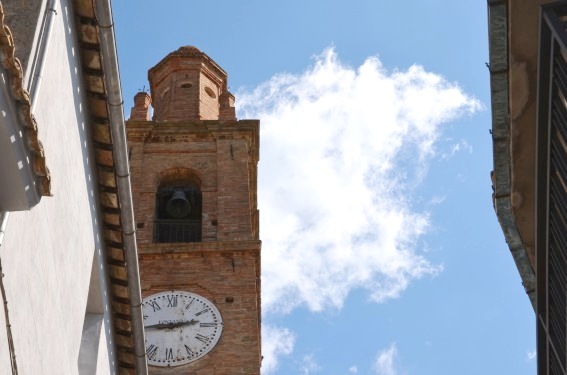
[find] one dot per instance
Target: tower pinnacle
(188, 85)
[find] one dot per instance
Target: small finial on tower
(227, 111)
(141, 109)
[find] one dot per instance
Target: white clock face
(180, 327)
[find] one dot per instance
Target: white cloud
(276, 343)
(462, 146)
(385, 363)
(531, 354)
(342, 152)
(309, 365)
(437, 200)
(353, 370)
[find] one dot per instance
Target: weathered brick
(219, 155)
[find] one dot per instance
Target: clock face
(180, 327)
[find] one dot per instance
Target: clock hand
(171, 325)
(190, 322)
(158, 326)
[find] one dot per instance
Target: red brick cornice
(158, 132)
(176, 250)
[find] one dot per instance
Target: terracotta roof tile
(22, 98)
(109, 200)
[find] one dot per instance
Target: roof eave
(502, 179)
(97, 50)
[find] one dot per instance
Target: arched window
(178, 211)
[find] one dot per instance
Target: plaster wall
(48, 252)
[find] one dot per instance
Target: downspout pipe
(41, 52)
(3, 223)
(13, 364)
(118, 131)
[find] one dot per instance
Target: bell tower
(194, 178)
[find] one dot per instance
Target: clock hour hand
(171, 325)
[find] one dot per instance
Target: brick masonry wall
(150, 160)
(233, 198)
(177, 95)
(225, 266)
(180, 90)
(188, 142)
(227, 274)
(208, 98)
(221, 156)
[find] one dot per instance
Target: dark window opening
(178, 215)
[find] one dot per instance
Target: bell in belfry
(178, 206)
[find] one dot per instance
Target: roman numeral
(202, 311)
(204, 339)
(151, 351)
(171, 301)
(207, 325)
(168, 354)
(145, 317)
(189, 351)
(155, 305)
(190, 303)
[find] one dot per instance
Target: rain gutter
(121, 163)
(41, 51)
(502, 178)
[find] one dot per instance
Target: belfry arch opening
(179, 207)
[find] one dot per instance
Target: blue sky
(381, 250)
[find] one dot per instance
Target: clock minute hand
(158, 326)
(187, 323)
(171, 325)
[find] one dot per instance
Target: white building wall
(47, 253)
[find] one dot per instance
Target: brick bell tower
(194, 177)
